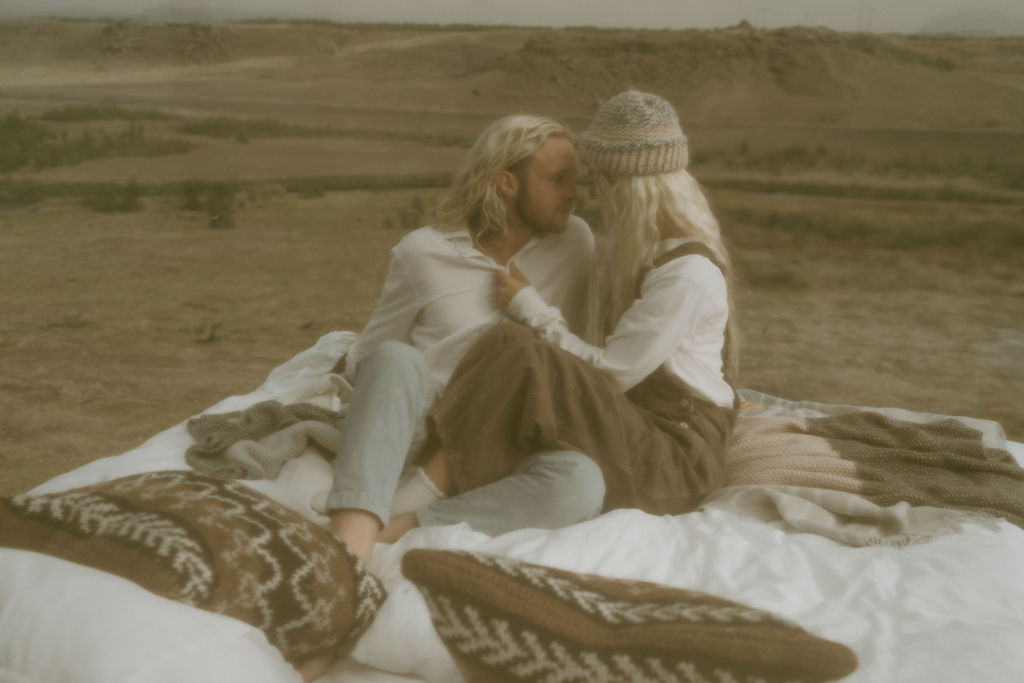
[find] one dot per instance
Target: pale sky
(903, 16)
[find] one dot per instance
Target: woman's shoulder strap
(688, 249)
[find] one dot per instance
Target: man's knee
(393, 356)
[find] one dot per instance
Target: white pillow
(60, 622)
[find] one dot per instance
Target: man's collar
(461, 240)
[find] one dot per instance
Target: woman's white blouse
(678, 321)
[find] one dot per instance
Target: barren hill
(799, 76)
(184, 206)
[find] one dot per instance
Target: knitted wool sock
(414, 491)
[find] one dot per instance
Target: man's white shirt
(440, 294)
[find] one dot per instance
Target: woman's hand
(509, 285)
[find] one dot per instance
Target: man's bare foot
(315, 667)
(397, 527)
(357, 529)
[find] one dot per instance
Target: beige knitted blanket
(865, 477)
(256, 442)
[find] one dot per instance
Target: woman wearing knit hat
(653, 406)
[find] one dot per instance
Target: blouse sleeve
(674, 299)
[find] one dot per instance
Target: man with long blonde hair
(512, 199)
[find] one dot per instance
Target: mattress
(946, 610)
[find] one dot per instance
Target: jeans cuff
(358, 500)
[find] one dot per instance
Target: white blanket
(949, 610)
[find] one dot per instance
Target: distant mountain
(984, 21)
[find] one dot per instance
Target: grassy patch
(25, 142)
(243, 130)
(114, 197)
(947, 193)
(1008, 173)
(775, 278)
(995, 236)
(20, 137)
(383, 26)
(316, 185)
(103, 112)
(72, 321)
(195, 195)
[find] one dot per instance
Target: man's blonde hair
(473, 199)
(641, 210)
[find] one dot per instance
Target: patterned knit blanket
(911, 481)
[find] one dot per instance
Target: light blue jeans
(386, 428)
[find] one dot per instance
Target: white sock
(318, 503)
(414, 491)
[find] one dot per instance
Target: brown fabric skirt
(660, 449)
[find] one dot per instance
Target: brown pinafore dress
(660, 448)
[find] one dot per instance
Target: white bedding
(949, 610)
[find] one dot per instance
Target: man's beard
(541, 225)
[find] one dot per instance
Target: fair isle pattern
(616, 612)
(634, 133)
(93, 514)
(514, 652)
(506, 620)
(213, 544)
(369, 594)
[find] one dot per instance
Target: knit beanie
(634, 133)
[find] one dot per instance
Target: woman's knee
(578, 484)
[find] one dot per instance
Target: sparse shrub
(411, 217)
(117, 38)
(260, 193)
(541, 46)
(243, 130)
(208, 334)
(24, 142)
(102, 112)
(19, 138)
(14, 193)
(72, 321)
(310, 191)
(205, 44)
(338, 183)
(114, 197)
(192, 196)
(220, 205)
(779, 278)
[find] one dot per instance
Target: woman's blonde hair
(473, 199)
(640, 211)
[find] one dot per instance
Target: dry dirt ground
(871, 190)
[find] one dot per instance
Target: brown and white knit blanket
(865, 477)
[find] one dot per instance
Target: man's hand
(509, 284)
